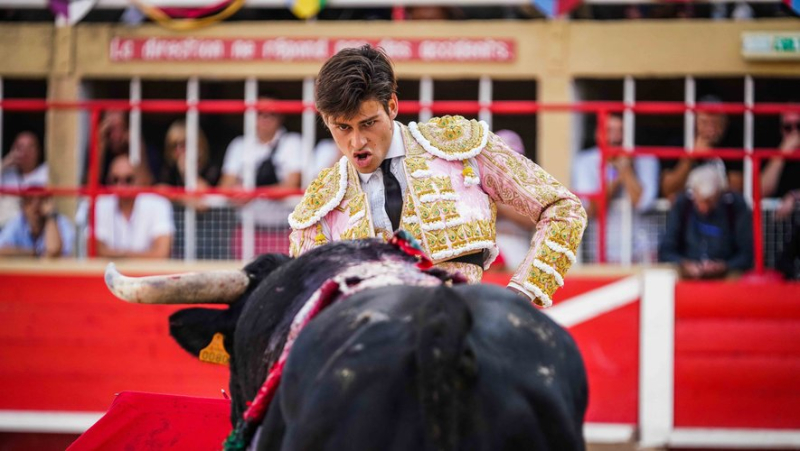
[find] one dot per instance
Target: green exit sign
(785, 44)
(771, 45)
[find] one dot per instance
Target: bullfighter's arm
(303, 240)
(514, 180)
(308, 220)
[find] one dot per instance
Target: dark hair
(353, 76)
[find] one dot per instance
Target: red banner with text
(307, 49)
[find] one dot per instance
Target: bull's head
(195, 328)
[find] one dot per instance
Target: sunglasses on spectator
(789, 126)
(127, 180)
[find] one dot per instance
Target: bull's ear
(204, 333)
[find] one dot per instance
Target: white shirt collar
(396, 149)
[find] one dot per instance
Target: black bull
(461, 367)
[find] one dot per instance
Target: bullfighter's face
(365, 138)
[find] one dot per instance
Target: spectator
(215, 237)
(275, 156)
(174, 170)
(114, 140)
(709, 230)
(513, 229)
(710, 129)
(788, 263)
(780, 177)
(634, 179)
(138, 226)
(276, 160)
(21, 167)
(39, 230)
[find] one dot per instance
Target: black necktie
(393, 194)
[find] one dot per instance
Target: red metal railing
(511, 107)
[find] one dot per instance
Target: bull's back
(379, 371)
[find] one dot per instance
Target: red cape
(155, 422)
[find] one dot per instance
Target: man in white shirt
(136, 227)
(628, 179)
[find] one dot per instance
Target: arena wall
(69, 346)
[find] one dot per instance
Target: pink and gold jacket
(456, 170)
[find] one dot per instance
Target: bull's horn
(212, 287)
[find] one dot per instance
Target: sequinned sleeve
(303, 240)
(559, 217)
(321, 197)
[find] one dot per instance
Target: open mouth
(362, 158)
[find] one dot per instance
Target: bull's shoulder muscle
(323, 195)
(451, 137)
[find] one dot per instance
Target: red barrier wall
(67, 345)
(737, 355)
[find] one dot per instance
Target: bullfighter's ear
(203, 332)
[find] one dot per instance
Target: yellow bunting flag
(304, 9)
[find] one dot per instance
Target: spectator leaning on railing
(114, 140)
(780, 176)
(710, 130)
(635, 180)
(709, 229)
(38, 230)
(173, 172)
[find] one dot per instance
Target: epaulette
(323, 195)
(451, 137)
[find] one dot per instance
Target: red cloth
(155, 422)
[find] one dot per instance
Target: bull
(402, 358)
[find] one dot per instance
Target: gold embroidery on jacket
(452, 135)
